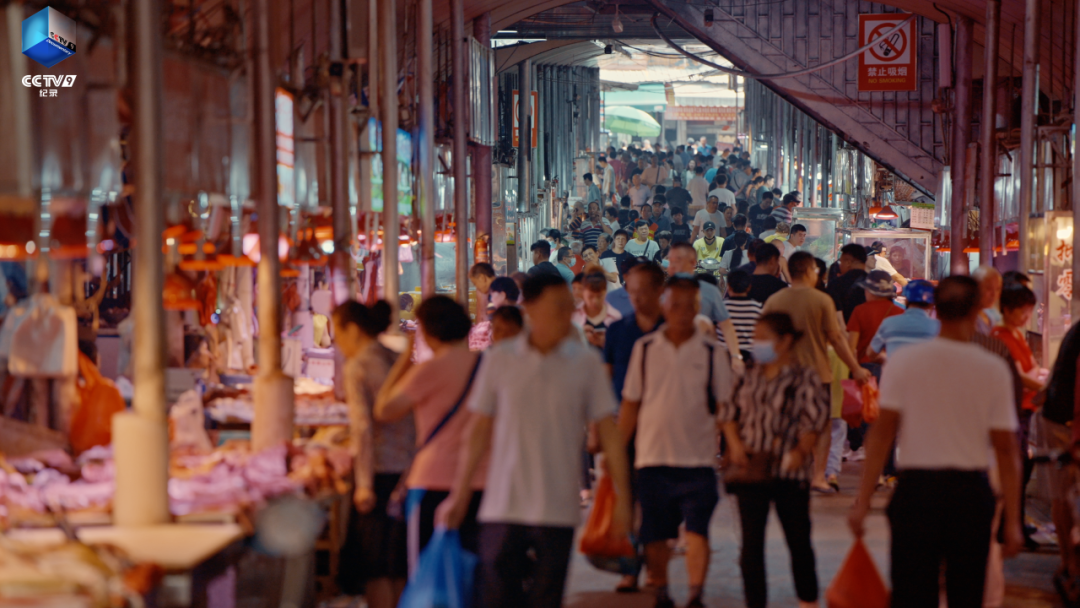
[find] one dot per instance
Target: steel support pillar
(273, 422)
(388, 70)
(988, 165)
(425, 55)
(458, 88)
(481, 166)
(961, 136)
(524, 136)
(142, 496)
(342, 275)
(1029, 107)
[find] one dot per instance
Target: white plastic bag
(46, 342)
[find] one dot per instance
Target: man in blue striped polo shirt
(912, 327)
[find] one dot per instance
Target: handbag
(395, 507)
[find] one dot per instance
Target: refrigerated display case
(822, 225)
(907, 250)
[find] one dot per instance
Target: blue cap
(919, 291)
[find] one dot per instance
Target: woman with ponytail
(374, 559)
(736, 257)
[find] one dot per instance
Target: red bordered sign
(890, 64)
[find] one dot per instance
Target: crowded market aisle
(1027, 585)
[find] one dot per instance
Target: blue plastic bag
(444, 576)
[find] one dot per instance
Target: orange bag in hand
(852, 409)
(596, 539)
(100, 399)
(858, 584)
(871, 409)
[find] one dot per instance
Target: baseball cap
(879, 283)
(919, 291)
(709, 226)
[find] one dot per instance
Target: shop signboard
(532, 117)
(702, 113)
(404, 159)
(890, 64)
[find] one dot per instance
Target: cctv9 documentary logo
(48, 81)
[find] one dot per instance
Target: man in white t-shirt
(699, 188)
(607, 180)
(951, 403)
(722, 193)
(533, 397)
(639, 193)
(676, 380)
(711, 213)
(641, 245)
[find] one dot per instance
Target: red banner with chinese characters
(705, 113)
(890, 63)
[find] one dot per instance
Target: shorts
(1051, 439)
(375, 545)
(670, 496)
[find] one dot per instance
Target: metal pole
(481, 164)
(391, 224)
(960, 137)
(425, 56)
(142, 492)
(459, 164)
(524, 134)
(1028, 109)
(149, 345)
(342, 282)
(1075, 302)
(273, 420)
(988, 169)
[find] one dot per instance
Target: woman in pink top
(431, 390)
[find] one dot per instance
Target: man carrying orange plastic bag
(951, 403)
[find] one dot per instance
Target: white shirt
(541, 405)
(648, 248)
(639, 195)
(950, 395)
(608, 181)
(882, 263)
(699, 191)
(703, 216)
(609, 315)
(724, 196)
(675, 428)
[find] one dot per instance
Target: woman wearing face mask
(771, 424)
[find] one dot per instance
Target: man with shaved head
(990, 285)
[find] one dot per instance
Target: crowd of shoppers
(621, 352)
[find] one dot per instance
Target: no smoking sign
(890, 62)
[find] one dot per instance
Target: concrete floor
(1027, 576)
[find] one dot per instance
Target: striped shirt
(781, 213)
(1000, 349)
(586, 231)
(911, 327)
(774, 412)
(744, 313)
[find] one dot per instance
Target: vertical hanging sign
(532, 117)
(890, 63)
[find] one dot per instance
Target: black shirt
(757, 216)
(846, 296)
(764, 285)
(678, 197)
(624, 217)
(620, 259)
(618, 344)
(544, 268)
(680, 233)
